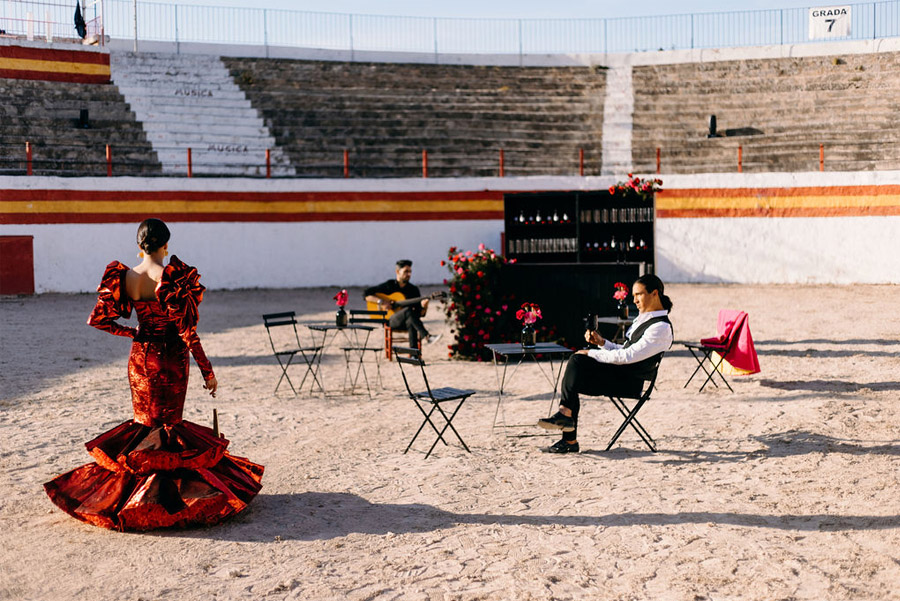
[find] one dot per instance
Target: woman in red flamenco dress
(156, 470)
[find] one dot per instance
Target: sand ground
(785, 489)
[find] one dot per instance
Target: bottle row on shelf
(613, 245)
(617, 215)
(570, 245)
(535, 217)
(542, 245)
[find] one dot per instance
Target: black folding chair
(712, 351)
(703, 353)
(286, 348)
(630, 415)
(356, 352)
(432, 396)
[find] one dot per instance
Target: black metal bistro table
(514, 353)
(622, 324)
(356, 337)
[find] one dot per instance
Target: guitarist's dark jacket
(392, 286)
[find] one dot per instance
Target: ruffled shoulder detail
(180, 292)
(112, 300)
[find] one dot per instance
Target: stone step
(250, 128)
(163, 138)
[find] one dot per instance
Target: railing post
(268, 163)
(424, 163)
(502, 164)
(658, 161)
(190, 165)
(692, 30)
(108, 161)
(28, 158)
(821, 157)
(346, 163)
(351, 37)
(781, 24)
(521, 46)
(435, 35)
(581, 162)
(266, 31)
(740, 159)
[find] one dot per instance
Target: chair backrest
(367, 316)
(280, 320)
(728, 327)
(411, 356)
(652, 380)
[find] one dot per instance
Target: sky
(523, 9)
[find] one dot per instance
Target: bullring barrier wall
(827, 228)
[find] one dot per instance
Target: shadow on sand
(329, 515)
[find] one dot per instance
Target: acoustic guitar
(400, 301)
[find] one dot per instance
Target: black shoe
(557, 421)
(560, 448)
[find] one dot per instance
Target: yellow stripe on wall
(25, 64)
(775, 202)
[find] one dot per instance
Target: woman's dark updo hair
(152, 235)
(650, 283)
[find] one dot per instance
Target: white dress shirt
(656, 339)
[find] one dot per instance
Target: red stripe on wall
(52, 76)
(137, 196)
(49, 54)
(863, 190)
(44, 218)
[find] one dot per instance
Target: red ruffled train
(155, 477)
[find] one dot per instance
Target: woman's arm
(112, 303)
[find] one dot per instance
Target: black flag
(80, 26)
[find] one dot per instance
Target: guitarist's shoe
(432, 338)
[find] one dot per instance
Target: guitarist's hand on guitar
(424, 307)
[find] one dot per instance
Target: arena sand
(785, 489)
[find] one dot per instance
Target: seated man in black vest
(618, 370)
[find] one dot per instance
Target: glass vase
(623, 310)
(529, 337)
(341, 318)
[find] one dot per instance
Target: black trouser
(585, 375)
(409, 319)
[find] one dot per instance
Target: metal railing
(49, 20)
(159, 22)
(348, 32)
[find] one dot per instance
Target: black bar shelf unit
(570, 250)
(580, 227)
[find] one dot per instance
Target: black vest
(646, 368)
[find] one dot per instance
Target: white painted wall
(71, 258)
(841, 250)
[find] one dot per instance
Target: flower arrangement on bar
(478, 310)
(340, 317)
(529, 314)
(621, 296)
(645, 188)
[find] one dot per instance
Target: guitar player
(407, 318)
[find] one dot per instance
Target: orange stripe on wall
(49, 54)
(831, 201)
(71, 206)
